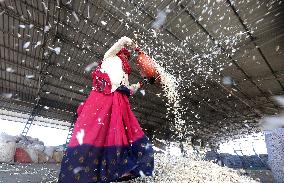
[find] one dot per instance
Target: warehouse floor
(36, 173)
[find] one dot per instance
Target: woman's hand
(123, 89)
(131, 45)
(125, 40)
(147, 81)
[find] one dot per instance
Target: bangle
(137, 49)
(140, 84)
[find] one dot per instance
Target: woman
(108, 143)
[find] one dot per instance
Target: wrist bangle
(140, 84)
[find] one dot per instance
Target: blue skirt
(89, 164)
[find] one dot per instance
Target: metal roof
(206, 44)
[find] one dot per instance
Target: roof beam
(252, 38)
(225, 89)
(46, 102)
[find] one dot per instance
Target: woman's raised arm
(123, 41)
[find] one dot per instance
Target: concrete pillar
(275, 148)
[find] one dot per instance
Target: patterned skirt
(107, 144)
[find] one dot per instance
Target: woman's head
(124, 52)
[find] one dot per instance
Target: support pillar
(70, 131)
(275, 148)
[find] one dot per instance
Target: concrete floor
(265, 176)
(24, 173)
(44, 173)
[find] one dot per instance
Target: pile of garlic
(180, 169)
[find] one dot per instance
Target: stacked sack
(7, 148)
(28, 149)
(25, 149)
